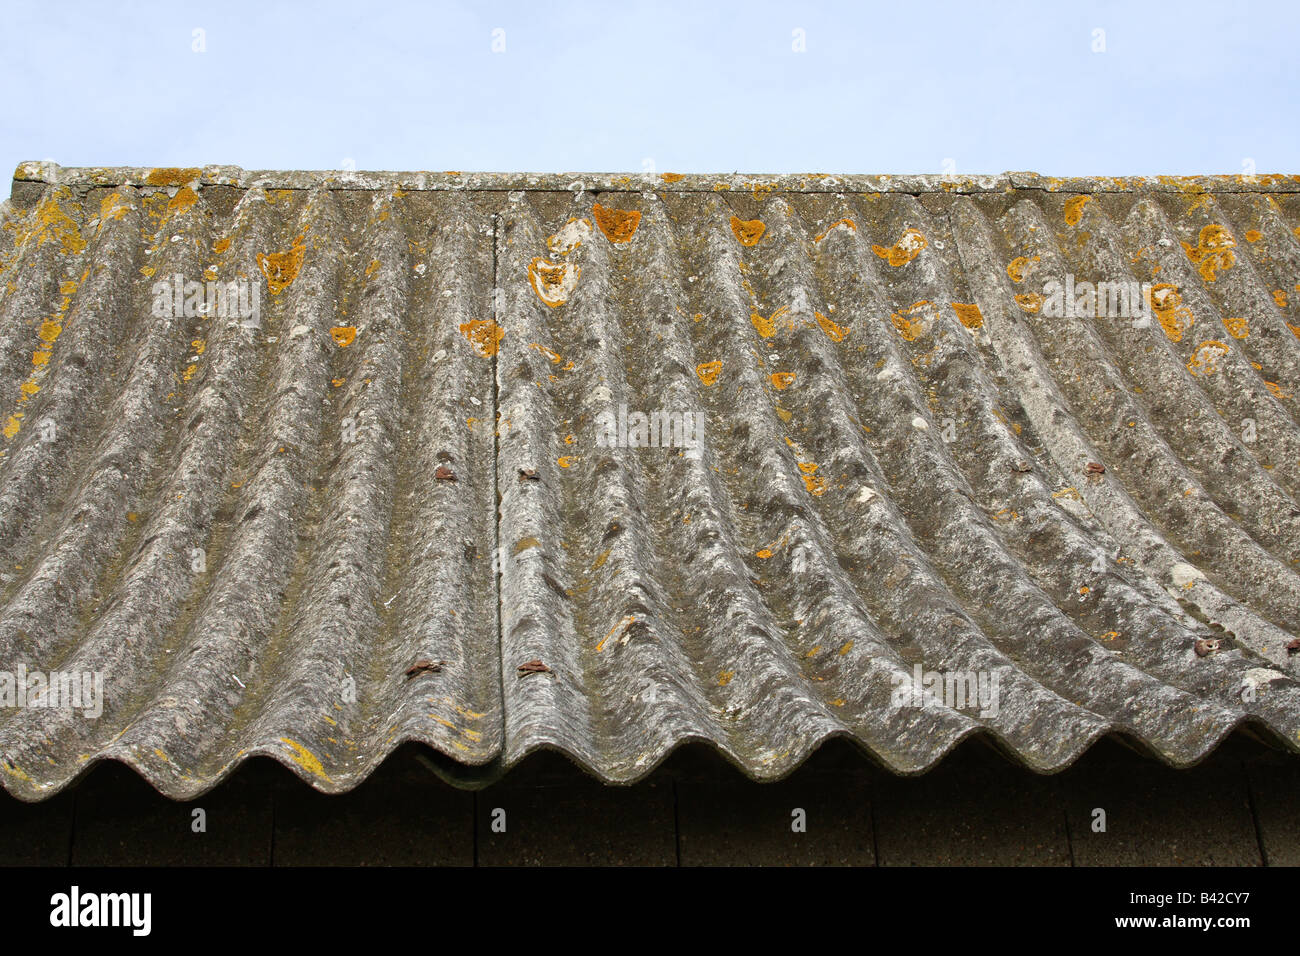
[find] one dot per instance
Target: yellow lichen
(171, 176)
(1019, 268)
(913, 321)
(281, 268)
(1030, 302)
(1237, 327)
(907, 248)
(553, 281)
(1280, 298)
(968, 314)
(1212, 252)
(767, 326)
(708, 371)
(848, 225)
(618, 225)
(835, 333)
(484, 335)
(782, 380)
(1206, 358)
(343, 335)
(1074, 209)
(747, 231)
(1174, 317)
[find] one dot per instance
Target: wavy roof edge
(235, 176)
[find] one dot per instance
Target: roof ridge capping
(217, 175)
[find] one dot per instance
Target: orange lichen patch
(1206, 358)
(764, 553)
(725, 677)
(209, 273)
(343, 335)
(185, 198)
(1167, 303)
(189, 372)
(12, 424)
(1237, 327)
(847, 225)
(555, 357)
(147, 271)
(708, 371)
(1253, 235)
(1020, 268)
(1212, 252)
(907, 248)
(570, 236)
(760, 190)
(484, 335)
(835, 333)
(968, 314)
(767, 326)
(1295, 329)
(1074, 209)
(170, 176)
(50, 221)
(372, 268)
(281, 268)
(1277, 390)
(671, 177)
(198, 345)
(1279, 296)
(814, 482)
(337, 382)
(567, 461)
(848, 646)
(782, 380)
(1030, 302)
(113, 207)
(553, 281)
(913, 321)
(618, 225)
(49, 332)
(221, 245)
(41, 357)
(747, 231)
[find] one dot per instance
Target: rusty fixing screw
(1293, 647)
(533, 667)
(1021, 466)
(528, 474)
(1094, 469)
(444, 473)
(1207, 646)
(424, 666)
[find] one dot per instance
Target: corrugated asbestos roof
(899, 467)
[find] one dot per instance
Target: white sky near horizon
(1193, 87)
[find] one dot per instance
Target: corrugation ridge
(79, 371)
(235, 636)
(439, 557)
(1070, 449)
(100, 647)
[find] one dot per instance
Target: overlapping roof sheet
(256, 527)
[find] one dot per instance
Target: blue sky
(1196, 87)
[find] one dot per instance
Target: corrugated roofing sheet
(256, 523)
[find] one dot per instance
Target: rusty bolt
(1094, 469)
(444, 474)
(1207, 646)
(424, 666)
